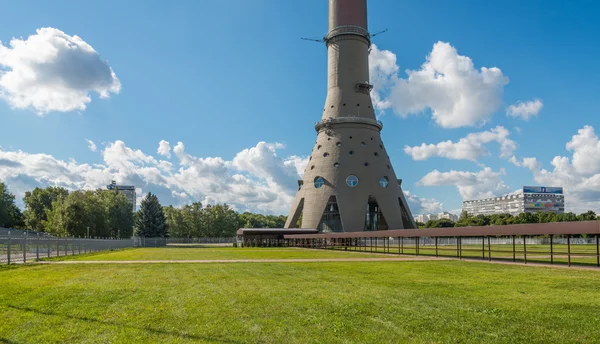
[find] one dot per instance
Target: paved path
(315, 260)
(206, 261)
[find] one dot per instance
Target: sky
(215, 101)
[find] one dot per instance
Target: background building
(423, 218)
(530, 199)
(127, 190)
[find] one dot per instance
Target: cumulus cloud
(91, 145)
(470, 147)
(448, 84)
(419, 205)
(53, 71)
(579, 175)
(525, 110)
(257, 179)
(471, 185)
(164, 148)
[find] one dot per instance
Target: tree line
(108, 213)
(466, 219)
(82, 213)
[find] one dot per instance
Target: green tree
(526, 218)
(151, 221)
(37, 204)
(587, 216)
(71, 216)
(221, 220)
(176, 223)
(119, 216)
(10, 214)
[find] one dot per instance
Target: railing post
(37, 247)
(514, 250)
(483, 247)
(417, 245)
(460, 247)
(597, 251)
(436, 246)
(8, 248)
(489, 249)
(457, 254)
(402, 244)
(25, 249)
(73, 245)
(569, 248)
(525, 249)
(49, 246)
(551, 249)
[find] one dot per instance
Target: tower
(349, 184)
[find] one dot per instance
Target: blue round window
(319, 181)
(352, 180)
(384, 182)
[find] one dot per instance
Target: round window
(384, 182)
(325, 154)
(352, 180)
(351, 152)
(319, 181)
(363, 144)
(339, 144)
(336, 164)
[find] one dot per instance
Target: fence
(25, 248)
(568, 243)
(226, 240)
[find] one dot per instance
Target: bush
(234, 244)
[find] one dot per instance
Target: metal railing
(25, 248)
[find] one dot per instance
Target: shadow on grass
(113, 323)
(6, 341)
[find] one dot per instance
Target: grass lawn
(179, 253)
(350, 302)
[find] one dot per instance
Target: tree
(151, 221)
(37, 204)
(10, 214)
(71, 216)
(587, 216)
(118, 213)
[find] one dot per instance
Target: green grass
(178, 253)
(377, 302)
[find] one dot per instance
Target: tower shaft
(349, 183)
(348, 41)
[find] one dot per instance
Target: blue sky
(221, 77)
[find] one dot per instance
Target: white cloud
(164, 148)
(578, 175)
(420, 205)
(52, 71)
(470, 147)
(448, 84)
(525, 110)
(471, 185)
(257, 179)
(91, 145)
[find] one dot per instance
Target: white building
(423, 218)
(530, 199)
(447, 215)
